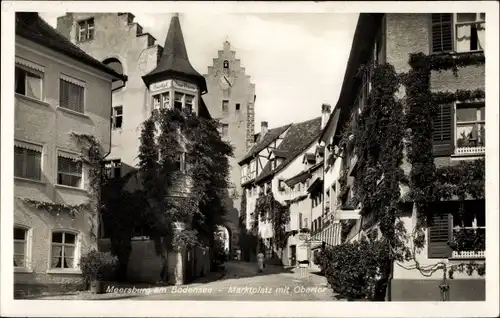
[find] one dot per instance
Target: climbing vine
(184, 168)
(383, 132)
(91, 156)
(268, 209)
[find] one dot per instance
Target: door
(293, 255)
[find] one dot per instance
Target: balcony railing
(468, 254)
(470, 241)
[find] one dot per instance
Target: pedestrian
(260, 261)
(238, 255)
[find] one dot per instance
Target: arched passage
(117, 66)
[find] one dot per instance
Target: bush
(98, 265)
(356, 270)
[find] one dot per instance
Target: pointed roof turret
(174, 60)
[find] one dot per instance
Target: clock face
(225, 81)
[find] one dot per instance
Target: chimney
(263, 128)
(326, 109)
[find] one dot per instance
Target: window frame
(76, 246)
(116, 115)
(226, 126)
(25, 155)
(225, 106)
(29, 71)
(28, 237)
(454, 24)
(86, 28)
(75, 82)
(478, 122)
(72, 157)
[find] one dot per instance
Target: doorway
(293, 255)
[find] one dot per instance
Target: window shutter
(442, 130)
(441, 31)
(440, 233)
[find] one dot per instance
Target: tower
(231, 98)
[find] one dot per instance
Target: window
(225, 130)
(306, 225)
(441, 32)
(20, 247)
(472, 222)
(442, 130)
(178, 101)
(27, 163)
(71, 95)
(300, 221)
(188, 103)
(470, 122)
(237, 107)
(63, 250)
(281, 185)
(113, 168)
(226, 64)
(225, 106)
(165, 100)
(28, 83)
(156, 101)
(69, 172)
(180, 162)
(117, 117)
(86, 30)
(468, 30)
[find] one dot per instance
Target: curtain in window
(481, 36)
(33, 86)
(463, 37)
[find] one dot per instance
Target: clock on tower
(225, 81)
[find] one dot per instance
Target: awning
(27, 145)
(315, 186)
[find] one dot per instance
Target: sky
(296, 60)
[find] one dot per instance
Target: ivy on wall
(268, 209)
(184, 168)
(380, 136)
(92, 157)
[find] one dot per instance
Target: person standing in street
(260, 261)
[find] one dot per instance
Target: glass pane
(466, 113)
(483, 112)
(466, 135)
(68, 262)
(178, 97)
(33, 161)
(34, 86)
(482, 16)
(69, 238)
(18, 162)
(56, 256)
(19, 261)
(466, 17)
(56, 262)
(69, 251)
(57, 237)
(19, 234)
(19, 248)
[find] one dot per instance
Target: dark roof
(368, 26)
(174, 60)
(31, 26)
(315, 186)
(310, 157)
(303, 176)
(272, 134)
(279, 153)
(299, 138)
